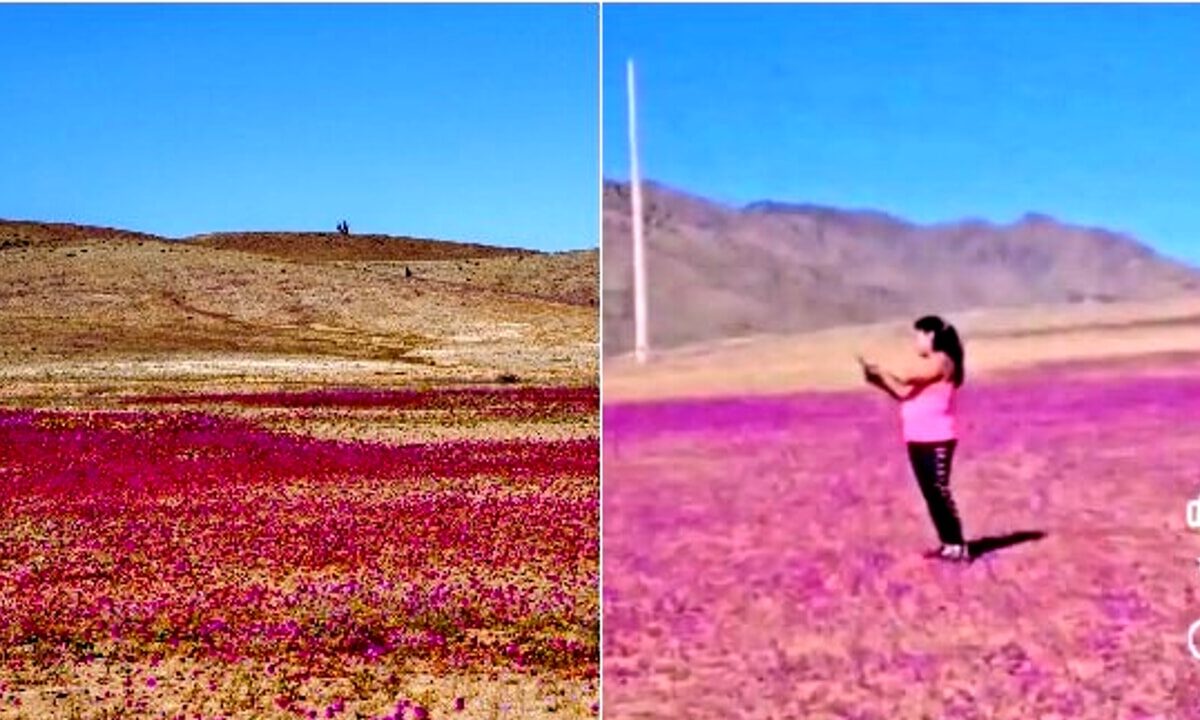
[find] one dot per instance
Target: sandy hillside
(84, 307)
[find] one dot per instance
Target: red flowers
(193, 534)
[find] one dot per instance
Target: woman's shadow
(990, 544)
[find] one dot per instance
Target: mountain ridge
(12, 229)
(719, 270)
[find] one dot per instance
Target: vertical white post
(641, 345)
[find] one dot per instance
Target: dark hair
(945, 340)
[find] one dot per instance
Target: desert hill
(318, 246)
(404, 308)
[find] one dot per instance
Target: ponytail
(946, 341)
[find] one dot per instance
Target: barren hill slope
(317, 246)
(719, 272)
(423, 309)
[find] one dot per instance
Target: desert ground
(88, 307)
(763, 535)
(997, 340)
(261, 475)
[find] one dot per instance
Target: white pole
(641, 345)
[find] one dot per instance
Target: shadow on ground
(992, 543)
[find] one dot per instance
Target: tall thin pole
(641, 345)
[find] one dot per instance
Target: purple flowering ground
(762, 557)
(179, 561)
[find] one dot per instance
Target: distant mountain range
(717, 271)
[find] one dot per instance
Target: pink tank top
(930, 415)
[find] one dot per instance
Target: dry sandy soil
(996, 341)
(85, 309)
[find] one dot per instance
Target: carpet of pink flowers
(173, 551)
(763, 556)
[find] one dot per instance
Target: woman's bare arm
(874, 376)
(924, 371)
(898, 390)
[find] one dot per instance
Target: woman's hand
(871, 372)
(874, 375)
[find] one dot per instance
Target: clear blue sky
(1087, 113)
(455, 122)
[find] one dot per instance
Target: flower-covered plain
(762, 556)
(197, 539)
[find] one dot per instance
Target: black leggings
(931, 464)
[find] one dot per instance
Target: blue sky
(1087, 113)
(455, 122)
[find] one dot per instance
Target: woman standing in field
(927, 394)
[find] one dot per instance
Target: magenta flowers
(181, 533)
(763, 554)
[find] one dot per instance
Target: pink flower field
(763, 556)
(184, 562)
